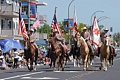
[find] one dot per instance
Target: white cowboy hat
(106, 29)
(84, 28)
(32, 29)
(55, 30)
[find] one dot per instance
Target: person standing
(16, 57)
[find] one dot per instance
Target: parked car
(117, 50)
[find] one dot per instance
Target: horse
(112, 55)
(76, 56)
(31, 55)
(83, 51)
(56, 54)
(104, 54)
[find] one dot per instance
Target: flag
(21, 27)
(95, 33)
(75, 29)
(54, 24)
(36, 24)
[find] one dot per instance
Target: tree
(80, 26)
(44, 29)
(116, 36)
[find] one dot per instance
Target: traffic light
(111, 29)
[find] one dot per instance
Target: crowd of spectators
(15, 58)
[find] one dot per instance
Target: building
(9, 13)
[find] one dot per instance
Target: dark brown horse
(30, 55)
(112, 55)
(57, 53)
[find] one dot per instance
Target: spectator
(16, 57)
(2, 62)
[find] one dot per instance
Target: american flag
(36, 24)
(55, 25)
(21, 27)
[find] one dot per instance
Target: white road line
(44, 78)
(21, 75)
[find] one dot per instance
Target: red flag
(55, 25)
(75, 29)
(36, 24)
(21, 27)
(95, 33)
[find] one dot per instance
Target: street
(44, 72)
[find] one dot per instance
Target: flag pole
(28, 15)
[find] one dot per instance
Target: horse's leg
(62, 63)
(74, 60)
(85, 63)
(54, 68)
(58, 63)
(31, 63)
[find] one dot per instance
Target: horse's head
(106, 41)
(50, 39)
(27, 43)
(80, 40)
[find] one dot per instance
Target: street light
(68, 21)
(102, 18)
(92, 16)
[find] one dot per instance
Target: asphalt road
(45, 73)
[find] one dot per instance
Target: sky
(84, 11)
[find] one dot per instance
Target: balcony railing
(9, 11)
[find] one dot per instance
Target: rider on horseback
(86, 36)
(102, 36)
(111, 45)
(59, 38)
(32, 37)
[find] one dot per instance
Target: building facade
(9, 16)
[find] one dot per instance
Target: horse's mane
(82, 39)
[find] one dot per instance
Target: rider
(102, 36)
(58, 37)
(86, 36)
(32, 37)
(111, 45)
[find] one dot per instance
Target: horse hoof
(63, 69)
(99, 68)
(84, 69)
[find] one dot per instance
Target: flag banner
(54, 24)
(95, 33)
(36, 24)
(21, 27)
(75, 29)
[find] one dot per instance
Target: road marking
(66, 71)
(21, 75)
(44, 78)
(88, 73)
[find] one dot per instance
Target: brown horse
(84, 51)
(57, 53)
(104, 54)
(30, 55)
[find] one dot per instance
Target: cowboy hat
(106, 29)
(32, 29)
(84, 28)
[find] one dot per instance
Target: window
(9, 24)
(2, 1)
(2, 24)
